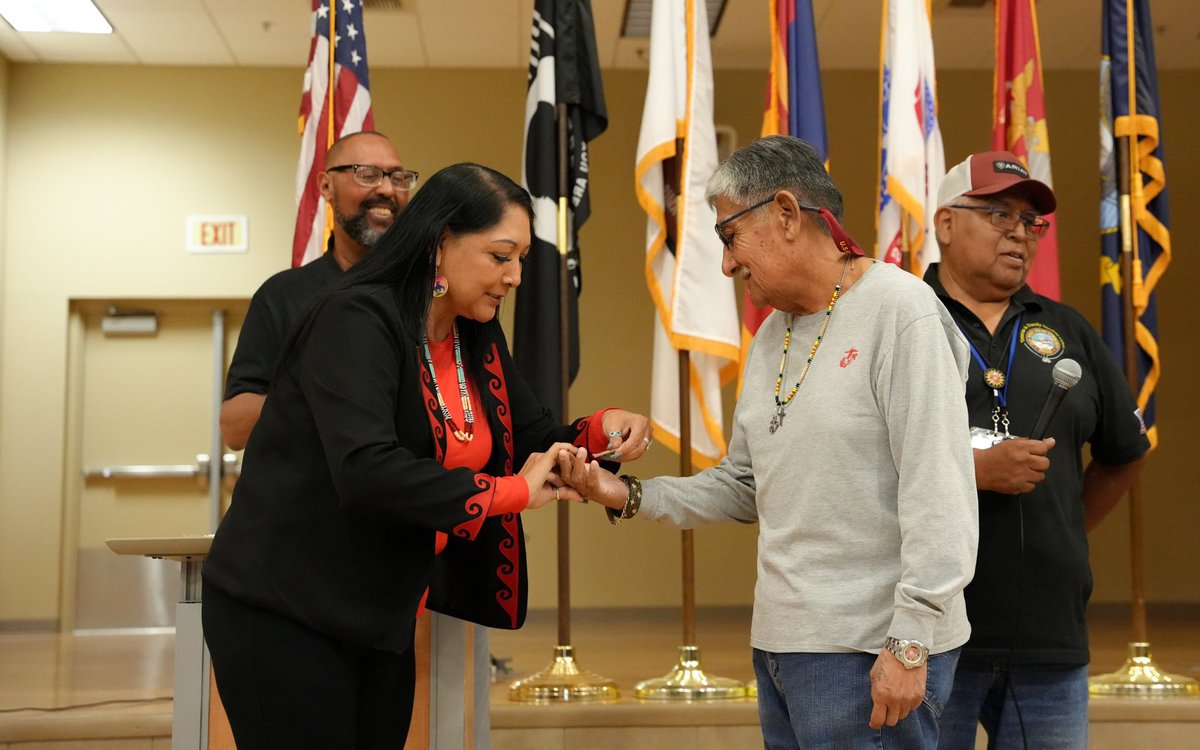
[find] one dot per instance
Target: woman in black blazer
(382, 478)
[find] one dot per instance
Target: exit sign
(217, 234)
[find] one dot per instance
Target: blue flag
(1134, 182)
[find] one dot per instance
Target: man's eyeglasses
(1006, 219)
(370, 176)
(727, 239)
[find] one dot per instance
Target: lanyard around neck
(1002, 391)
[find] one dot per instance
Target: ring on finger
(646, 440)
(556, 497)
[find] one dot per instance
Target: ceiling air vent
(382, 4)
(636, 23)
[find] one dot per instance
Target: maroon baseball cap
(991, 172)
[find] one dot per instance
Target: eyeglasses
(1006, 219)
(371, 176)
(727, 239)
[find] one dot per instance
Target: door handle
(230, 467)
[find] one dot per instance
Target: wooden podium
(450, 711)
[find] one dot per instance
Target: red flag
(326, 115)
(1019, 114)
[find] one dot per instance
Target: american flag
(326, 116)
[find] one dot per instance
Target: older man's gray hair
(778, 162)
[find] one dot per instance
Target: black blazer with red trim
(342, 488)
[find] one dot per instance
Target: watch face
(912, 654)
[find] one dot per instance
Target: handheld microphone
(1065, 376)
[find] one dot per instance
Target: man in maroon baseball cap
(993, 172)
(1027, 600)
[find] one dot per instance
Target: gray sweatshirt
(865, 497)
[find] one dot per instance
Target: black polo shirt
(278, 304)
(1051, 575)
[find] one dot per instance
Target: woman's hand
(629, 435)
(590, 480)
(545, 485)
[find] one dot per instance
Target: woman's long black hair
(461, 199)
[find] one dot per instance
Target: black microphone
(1065, 376)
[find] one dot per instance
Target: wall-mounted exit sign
(217, 234)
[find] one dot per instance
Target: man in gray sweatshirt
(852, 454)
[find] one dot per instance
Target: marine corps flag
(563, 70)
(694, 302)
(911, 161)
(1019, 116)
(795, 106)
(1133, 207)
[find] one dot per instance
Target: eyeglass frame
(411, 175)
(1035, 226)
(728, 243)
(720, 225)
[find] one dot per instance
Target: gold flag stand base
(562, 682)
(1140, 678)
(688, 682)
(752, 689)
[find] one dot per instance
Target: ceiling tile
(481, 41)
(111, 8)
(394, 40)
(79, 48)
(631, 54)
(174, 37)
(495, 34)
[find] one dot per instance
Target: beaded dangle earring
(440, 285)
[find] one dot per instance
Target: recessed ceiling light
(73, 16)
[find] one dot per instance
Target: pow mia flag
(562, 70)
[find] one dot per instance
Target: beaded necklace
(781, 405)
(468, 434)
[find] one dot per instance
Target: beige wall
(104, 163)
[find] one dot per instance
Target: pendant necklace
(996, 380)
(467, 434)
(782, 404)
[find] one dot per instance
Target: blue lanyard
(1001, 393)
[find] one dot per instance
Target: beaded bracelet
(632, 504)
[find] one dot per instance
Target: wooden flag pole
(563, 680)
(687, 536)
(1128, 334)
(687, 680)
(1139, 677)
(564, 373)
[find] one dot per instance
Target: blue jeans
(1053, 703)
(824, 701)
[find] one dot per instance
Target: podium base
(688, 682)
(1140, 678)
(562, 682)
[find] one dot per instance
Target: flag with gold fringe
(911, 160)
(695, 306)
(1019, 117)
(1134, 183)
